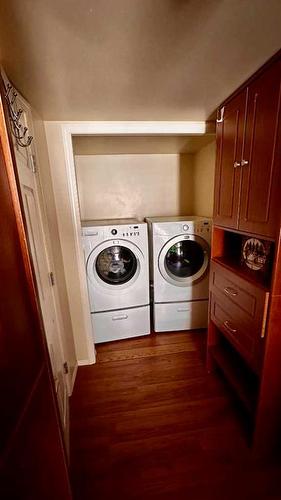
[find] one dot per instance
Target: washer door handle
(120, 317)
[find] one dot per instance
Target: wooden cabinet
(239, 310)
(245, 308)
(247, 184)
(230, 131)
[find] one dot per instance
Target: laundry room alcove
(135, 177)
(124, 176)
(130, 169)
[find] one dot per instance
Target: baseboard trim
(84, 362)
(73, 378)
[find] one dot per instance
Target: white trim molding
(136, 128)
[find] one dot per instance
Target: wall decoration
(256, 254)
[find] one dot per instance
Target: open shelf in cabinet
(227, 251)
(240, 377)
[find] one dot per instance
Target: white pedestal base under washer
(179, 264)
(116, 255)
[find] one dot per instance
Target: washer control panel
(132, 231)
(125, 231)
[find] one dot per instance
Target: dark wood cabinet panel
(230, 130)
(227, 318)
(247, 197)
(260, 185)
(18, 326)
(32, 455)
(239, 309)
(250, 298)
(35, 467)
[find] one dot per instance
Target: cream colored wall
(53, 243)
(134, 185)
(203, 180)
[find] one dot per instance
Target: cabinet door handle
(230, 291)
(121, 316)
(228, 327)
(244, 162)
(237, 164)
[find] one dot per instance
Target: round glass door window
(184, 259)
(116, 265)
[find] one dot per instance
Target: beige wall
(53, 243)
(135, 185)
(203, 186)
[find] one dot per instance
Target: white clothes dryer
(117, 267)
(179, 263)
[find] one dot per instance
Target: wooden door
(30, 192)
(32, 456)
(230, 130)
(260, 195)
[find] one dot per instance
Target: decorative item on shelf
(256, 254)
(19, 131)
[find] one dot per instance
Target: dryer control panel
(203, 227)
(200, 226)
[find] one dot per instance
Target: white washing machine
(117, 266)
(179, 262)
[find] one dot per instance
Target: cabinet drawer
(232, 326)
(250, 300)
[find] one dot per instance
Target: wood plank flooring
(148, 422)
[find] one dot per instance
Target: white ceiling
(134, 59)
(117, 145)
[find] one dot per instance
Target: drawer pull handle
(228, 327)
(230, 291)
(118, 318)
(182, 309)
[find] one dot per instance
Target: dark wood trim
(244, 233)
(21, 417)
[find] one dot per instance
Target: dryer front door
(184, 260)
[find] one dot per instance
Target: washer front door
(184, 259)
(114, 264)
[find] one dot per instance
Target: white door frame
(67, 130)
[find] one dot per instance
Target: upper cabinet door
(230, 130)
(260, 191)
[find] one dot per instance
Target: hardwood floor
(147, 421)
